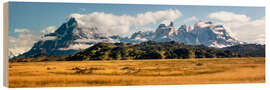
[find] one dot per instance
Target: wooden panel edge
(5, 44)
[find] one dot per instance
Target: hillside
(253, 50)
(152, 50)
(162, 50)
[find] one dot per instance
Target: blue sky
(37, 16)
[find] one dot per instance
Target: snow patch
(77, 47)
(48, 38)
(217, 45)
(140, 39)
(202, 24)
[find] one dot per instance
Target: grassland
(136, 72)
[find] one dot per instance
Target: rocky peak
(163, 29)
(161, 26)
(206, 33)
(171, 24)
(68, 39)
(67, 27)
(190, 28)
(183, 28)
(72, 22)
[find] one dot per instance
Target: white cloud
(120, 25)
(21, 30)
(260, 39)
(193, 18)
(77, 47)
(152, 17)
(202, 24)
(242, 26)
(18, 50)
(48, 30)
(25, 39)
(229, 16)
(22, 43)
(48, 38)
(83, 9)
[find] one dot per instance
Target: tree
(199, 53)
(116, 53)
(210, 54)
(124, 51)
(182, 53)
(159, 50)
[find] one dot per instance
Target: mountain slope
(68, 39)
(206, 33)
(162, 50)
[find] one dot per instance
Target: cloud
(121, 25)
(193, 18)
(242, 26)
(48, 38)
(77, 47)
(229, 16)
(152, 17)
(17, 50)
(22, 43)
(21, 30)
(260, 39)
(83, 9)
(47, 30)
(25, 39)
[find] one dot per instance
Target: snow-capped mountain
(10, 55)
(68, 39)
(74, 36)
(206, 33)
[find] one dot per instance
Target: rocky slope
(206, 33)
(68, 39)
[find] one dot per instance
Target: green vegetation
(152, 50)
(252, 50)
(160, 50)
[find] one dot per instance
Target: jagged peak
(72, 21)
(161, 25)
(171, 24)
(183, 28)
(164, 25)
(204, 24)
(74, 15)
(209, 22)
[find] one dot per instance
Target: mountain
(73, 36)
(205, 33)
(10, 55)
(68, 39)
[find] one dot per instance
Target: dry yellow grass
(136, 72)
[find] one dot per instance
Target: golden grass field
(136, 72)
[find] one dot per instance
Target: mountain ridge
(71, 37)
(206, 33)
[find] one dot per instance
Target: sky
(28, 21)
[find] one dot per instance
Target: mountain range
(205, 33)
(72, 37)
